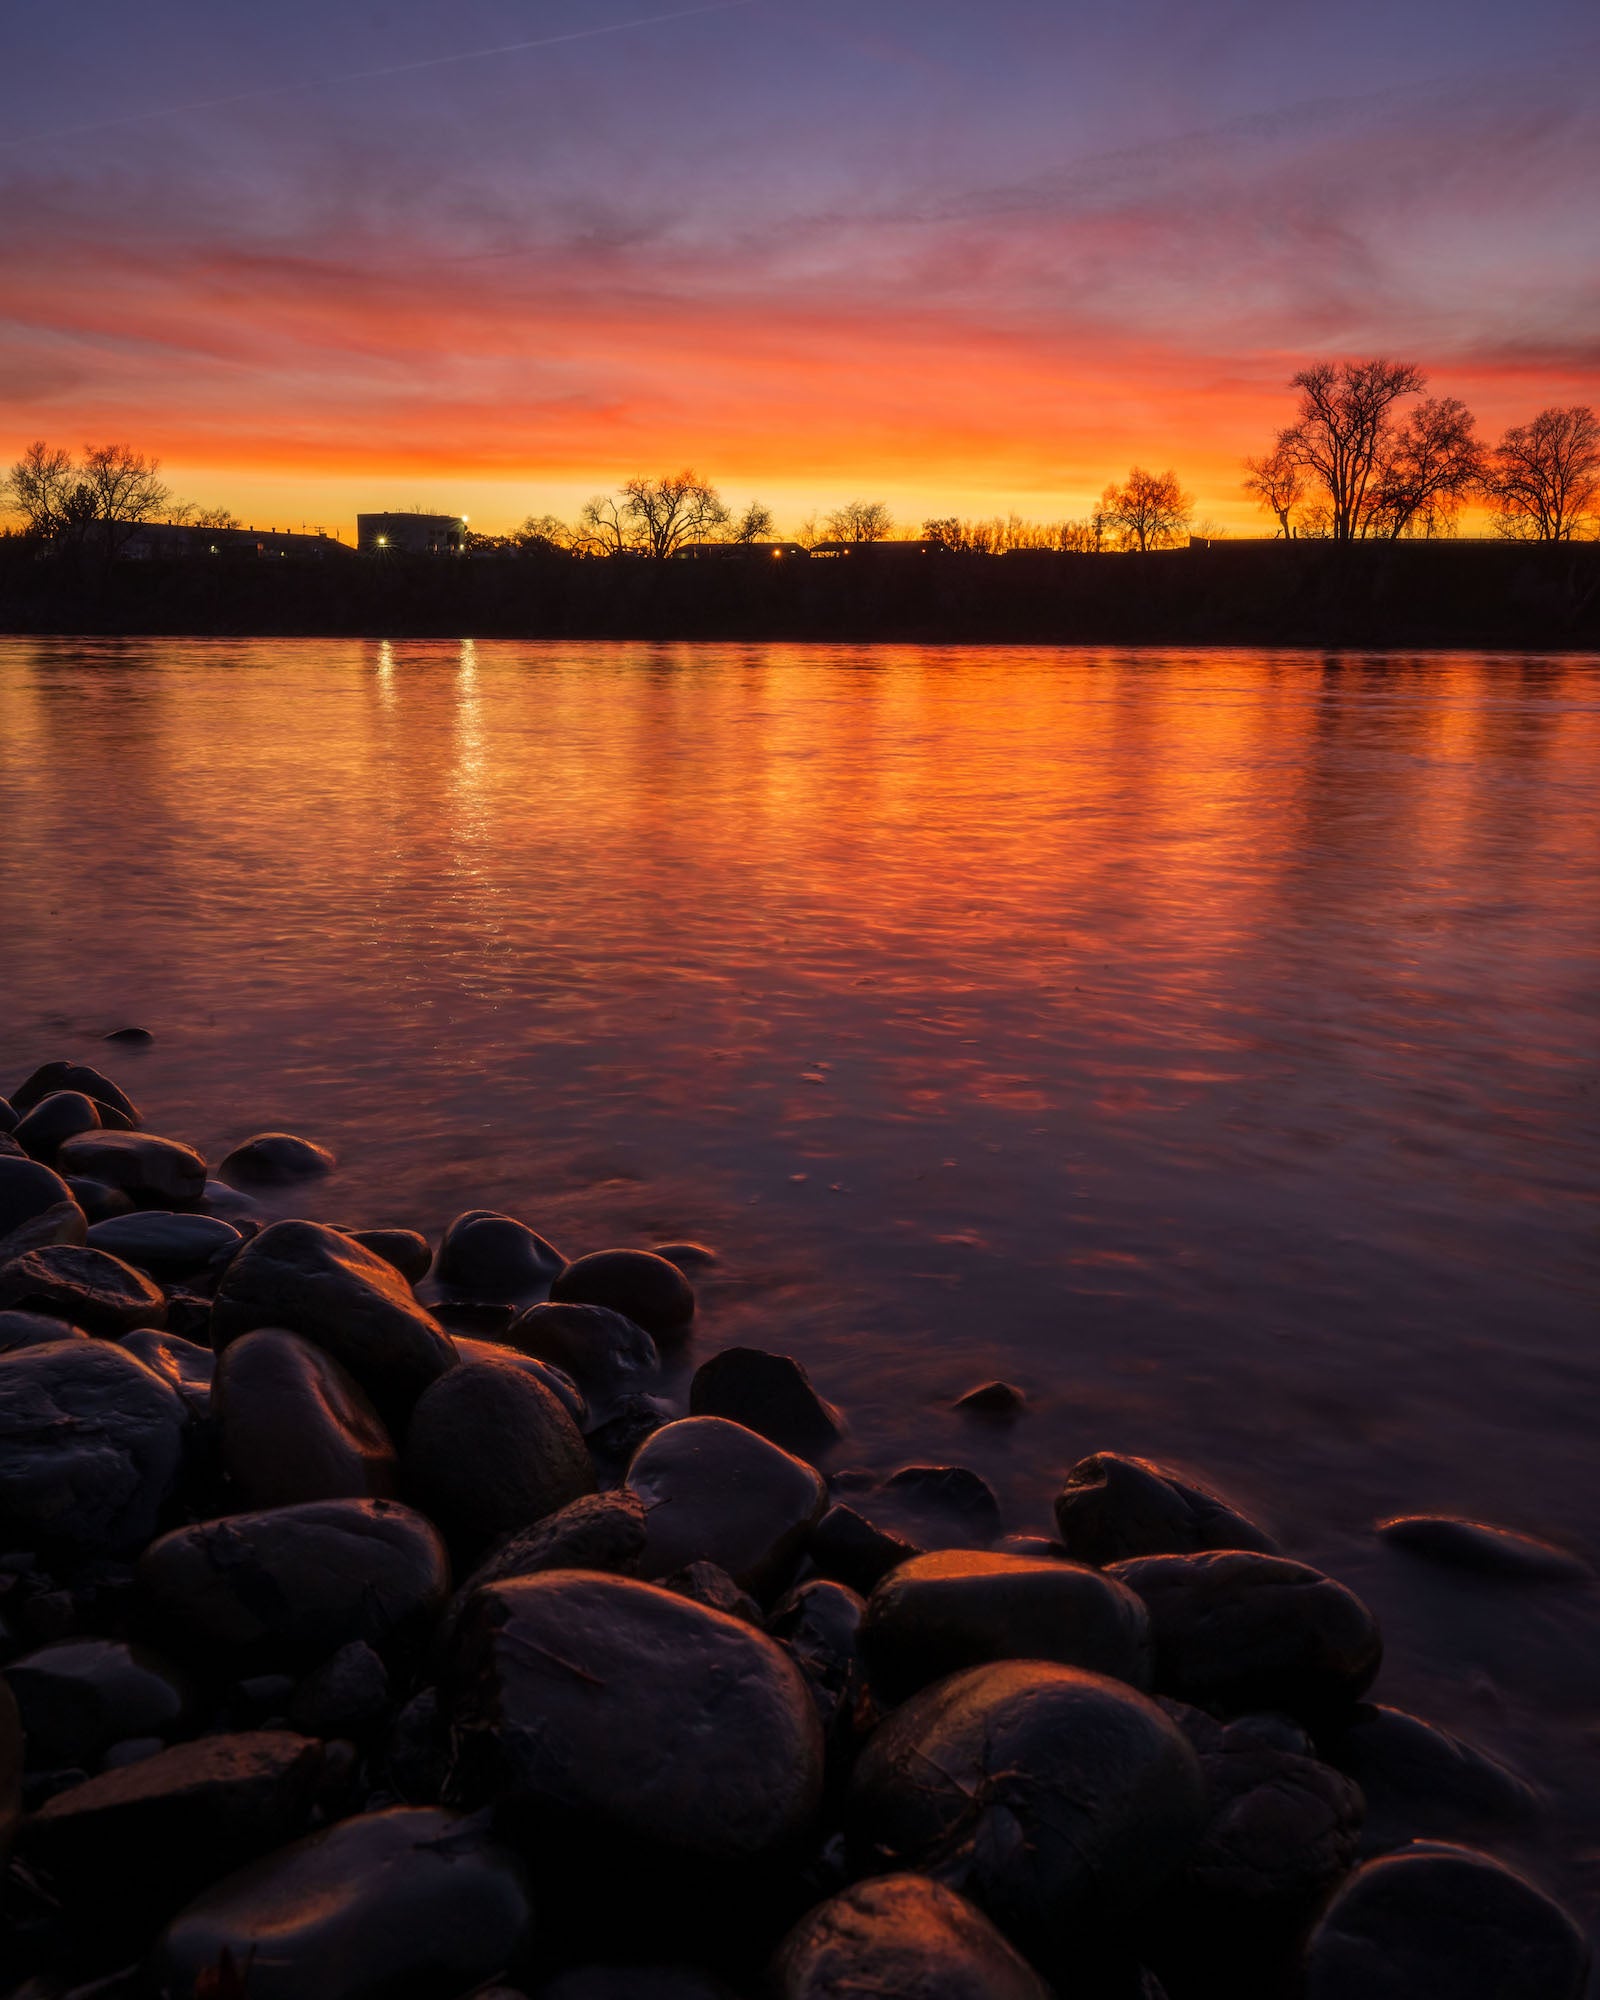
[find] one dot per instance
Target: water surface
(1209, 1043)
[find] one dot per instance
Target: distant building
(167, 541)
(878, 551)
(411, 534)
(743, 552)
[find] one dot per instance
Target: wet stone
(607, 1354)
(91, 1444)
(98, 1200)
(633, 1419)
(31, 1329)
(939, 1614)
(1057, 1800)
(37, 1209)
(636, 1283)
(285, 1587)
(1434, 1922)
(293, 1426)
(349, 1302)
(941, 1506)
(53, 1076)
(1238, 1631)
(818, 1624)
(156, 1173)
(88, 1288)
(182, 1364)
(1420, 1780)
(902, 1935)
(133, 1038)
(704, 1583)
(687, 1256)
(993, 1399)
(345, 1696)
(636, 1715)
(165, 1242)
(715, 1492)
(189, 1316)
(153, 1832)
(1482, 1550)
(78, 1697)
(1113, 1508)
(406, 1249)
(412, 1900)
(53, 1120)
(490, 1450)
(492, 1257)
(557, 1380)
(275, 1159)
(602, 1531)
(1040, 1548)
(847, 1547)
(770, 1394)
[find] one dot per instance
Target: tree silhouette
(1278, 482)
(1544, 477)
(1149, 512)
(1343, 433)
(860, 521)
(1432, 463)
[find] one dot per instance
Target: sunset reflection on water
(1206, 1042)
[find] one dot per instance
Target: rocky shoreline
(375, 1628)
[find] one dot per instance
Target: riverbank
(1371, 595)
(379, 1610)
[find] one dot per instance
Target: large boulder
(716, 1492)
(938, 1614)
(767, 1393)
(412, 1901)
(285, 1587)
(605, 1353)
(633, 1719)
(85, 1287)
(80, 1696)
(493, 1259)
(165, 1242)
(901, 1935)
(1235, 1631)
(293, 1425)
(489, 1450)
(1434, 1922)
(53, 1076)
(275, 1159)
(36, 1208)
(1419, 1780)
(156, 1173)
(1112, 1508)
(53, 1120)
(355, 1305)
(91, 1445)
(636, 1283)
(1058, 1800)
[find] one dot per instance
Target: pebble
(905, 1936)
(636, 1283)
(353, 1304)
(767, 1393)
(1436, 1922)
(1236, 1631)
(294, 1426)
(364, 1910)
(37, 1209)
(406, 1249)
(687, 1256)
(165, 1242)
(80, 1696)
(284, 1587)
(152, 1172)
(495, 1259)
(993, 1399)
(637, 1716)
(87, 1288)
(1484, 1550)
(134, 1038)
(716, 1492)
(91, 1445)
(1060, 1802)
(53, 1076)
(938, 1614)
(275, 1159)
(940, 1506)
(1112, 1508)
(607, 1354)
(489, 1450)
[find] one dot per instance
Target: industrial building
(411, 534)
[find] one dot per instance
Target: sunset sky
(963, 257)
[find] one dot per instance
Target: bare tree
(753, 525)
(859, 521)
(604, 528)
(1084, 538)
(1278, 482)
(1434, 461)
(102, 499)
(41, 488)
(1149, 512)
(544, 533)
(667, 513)
(1343, 434)
(1544, 477)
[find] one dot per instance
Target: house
(411, 534)
(170, 541)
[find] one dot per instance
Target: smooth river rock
(165, 1242)
(53, 1076)
(848, 1547)
(636, 1283)
(53, 1120)
(285, 1587)
(602, 1531)
(938, 1614)
(32, 1329)
(406, 1249)
(1419, 1780)
(293, 1425)
(495, 1259)
(489, 1450)
(767, 1393)
(624, 1713)
(91, 1444)
(818, 1624)
(607, 1354)
(1058, 1800)
(1112, 1508)
(1483, 1550)
(275, 1159)
(156, 1173)
(182, 1364)
(37, 1208)
(80, 1696)
(905, 1936)
(87, 1288)
(716, 1492)
(355, 1305)
(1238, 1631)
(1434, 1922)
(556, 1380)
(415, 1901)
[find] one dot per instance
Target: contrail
(366, 75)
